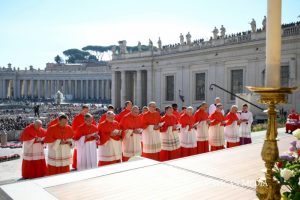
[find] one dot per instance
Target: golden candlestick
(268, 188)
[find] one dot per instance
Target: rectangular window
(284, 76)
(236, 82)
(170, 88)
(200, 87)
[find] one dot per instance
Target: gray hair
(151, 102)
(38, 122)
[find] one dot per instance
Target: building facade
(182, 73)
(76, 81)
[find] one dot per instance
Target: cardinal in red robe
(216, 129)
(103, 116)
(292, 121)
(55, 120)
(202, 122)
(59, 138)
(131, 126)
(188, 139)
(151, 142)
(110, 146)
(232, 128)
(125, 111)
(33, 164)
(175, 111)
(78, 121)
(170, 147)
(86, 137)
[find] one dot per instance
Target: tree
(76, 55)
(58, 59)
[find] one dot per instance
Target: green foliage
(58, 59)
(76, 54)
(289, 162)
(94, 53)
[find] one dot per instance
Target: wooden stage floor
(227, 174)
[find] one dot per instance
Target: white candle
(273, 44)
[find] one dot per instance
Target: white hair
(135, 107)
(151, 102)
(190, 108)
(234, 106)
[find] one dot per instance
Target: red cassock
(77, 121)
(131, 142)
(292, 122)
(176, 114)
(151, 143)
(201, 116)
(59, 154)
(188, 139)
(33, 164)
(232, 130)
(53, 122)
(110, 150)
(216, 131)
(119, 117)
(87, 148)
(102, 118)
(170, 147)
(84, 130)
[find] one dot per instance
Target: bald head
(217, 100)
(110, 116)
(37, 124)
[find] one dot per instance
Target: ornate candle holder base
(268, 188)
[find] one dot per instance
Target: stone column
(39, 88)
(4, 88)
(64, 87)
(15, 88)
(51, 88)
(138, 88)
(97, 89)
(87, 89)
(81, 89)
(107, 89)
(57, 86)
(46, 88)
(25, 88)
(102, 89)
(70, 87)
(123, 87)
(75, 91)
(113, 88)
(31, 88)
(19, 88)
(149, 85)
(273, 44)
(92, 89)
